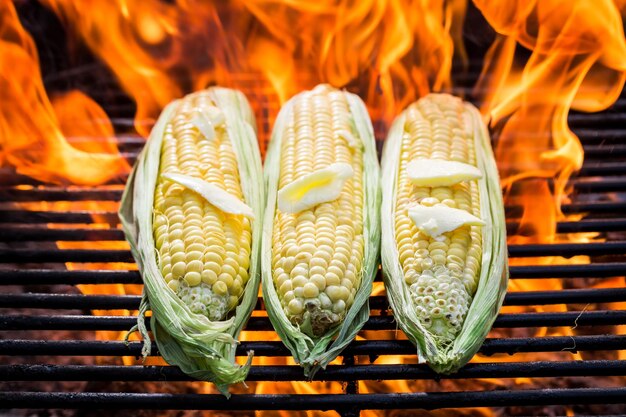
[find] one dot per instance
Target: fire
(577, 61)
(548, 57)
(32, 135)
(161, 51)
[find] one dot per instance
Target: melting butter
(206, 119)
(440, 173)
(218, 197)
(318, 187)
(439, 219)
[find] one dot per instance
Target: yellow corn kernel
(440, 271)
(204, 251)
(315, 245)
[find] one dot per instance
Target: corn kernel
(193, 278)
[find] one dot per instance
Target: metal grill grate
(33, 269)
(47, 329)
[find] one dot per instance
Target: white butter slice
(439, 219)
(440, 173)
(204, 125)
(214, 114)
(206, 119)
(218, 197)
(318, 187)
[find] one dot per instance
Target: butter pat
(204, 125)
(440, 173)
(218, 197)
(318, 187)
(206, 119)
(437, 220)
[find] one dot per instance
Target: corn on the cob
(444, 238)
(192, 212)
(204, 252)
(321, 223)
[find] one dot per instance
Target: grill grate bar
(121, 255)
(64, 255)
(36, 216)
(58, 277)
(595, 207)
(595, 270)
(577, 120)
(602, 169)
(53, 193)
(12, 234)
(131, 302)
(590, 169)
(568, 249)
(372, 348)
(110, 217)
(39, 234)
(606, 185)
(423, 400)
(593, 152)
(601, 137)
(369, 372)
(127, 141)
(600, 225)
(88, 255)
(59, 194)
(596, 295)
(383, 322)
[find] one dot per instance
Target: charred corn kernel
(319, 219)
(195, 192)
(440, 190)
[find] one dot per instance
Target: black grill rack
(569, 342)
(39, 298)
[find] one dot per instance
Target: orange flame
(32, 138)
(161, 51)
(158, 51)
(577, 60)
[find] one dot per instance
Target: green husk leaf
(314, 354)
(494, 273)
(202, 348)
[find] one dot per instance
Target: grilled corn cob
(321, 226)
(192, 212)
(443, 232)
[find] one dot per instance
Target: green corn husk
(446, 357)
(202, 348)
(315, 353)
